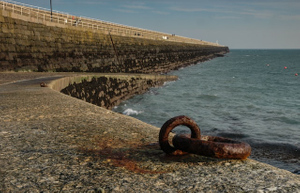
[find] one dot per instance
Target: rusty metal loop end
(217, 147)
(169, 125)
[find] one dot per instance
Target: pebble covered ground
(51, 142)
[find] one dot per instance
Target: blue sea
(248, 95)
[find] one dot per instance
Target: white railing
(44, 15)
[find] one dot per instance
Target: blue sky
(264, 24)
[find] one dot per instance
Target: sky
(238, 24)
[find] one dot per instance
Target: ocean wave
(276, 147)
(289, 120)
(168, 82)
(207, 97)
(131, 112)
(283, 119)
(233, 135)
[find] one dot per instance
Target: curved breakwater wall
(26, 44)
(108, 91)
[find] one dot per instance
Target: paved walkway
(52, 142)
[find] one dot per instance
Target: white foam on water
(131, 112)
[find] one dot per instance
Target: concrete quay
(51, 142)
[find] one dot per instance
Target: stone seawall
(108, 90)
(27, 45)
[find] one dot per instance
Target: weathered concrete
(54, 142)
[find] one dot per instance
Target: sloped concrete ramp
(52, 142)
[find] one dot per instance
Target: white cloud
(227, 17)
(125, 11)
(136, 7)
(290, 17)
(161, 12)
(132, 8)
(192, 9)
(92, 3)
(257, 9)
(240, 11)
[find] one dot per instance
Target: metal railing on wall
(44, 15)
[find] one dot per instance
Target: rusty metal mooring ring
(217, 147)
(169, 126)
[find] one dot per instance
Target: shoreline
(66, 79)
(55, 142)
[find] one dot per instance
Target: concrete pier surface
(51, 142)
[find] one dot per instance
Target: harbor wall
(27, 44)
(108, 90)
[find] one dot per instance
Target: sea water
(248, 95)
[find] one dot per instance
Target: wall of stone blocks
(33, 46)
(108, 92)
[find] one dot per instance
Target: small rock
(42, 84)
(296, 172)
